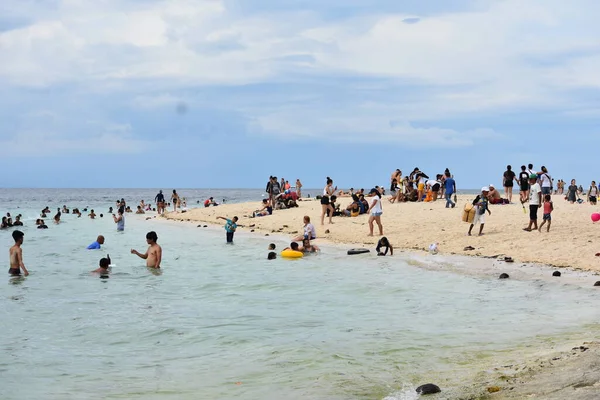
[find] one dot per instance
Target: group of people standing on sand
(418, 187)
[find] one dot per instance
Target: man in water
(120, 220)
(15, 254)
(103, 266)
(153, 255)
(160, 202)
(96, 245)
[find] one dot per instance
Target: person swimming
(104, 266)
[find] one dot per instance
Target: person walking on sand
(535, 200)
(450, 189)
(298, 188)
(508, 179)
(175, 200)
(545, 181)
(592, 195)
(15, 255)
(524, 184)
(481, 206)
(375, 210)
(153, 255)
(230, 227)
(328, 191)
(160, 202)
(548, 208)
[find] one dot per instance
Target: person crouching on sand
(481, 206)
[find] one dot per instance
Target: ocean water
(221, 322)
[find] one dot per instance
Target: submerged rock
(428, 388)
(556, 273)
(504, 276)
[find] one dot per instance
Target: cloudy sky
(222, 93)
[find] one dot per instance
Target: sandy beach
(414, 226)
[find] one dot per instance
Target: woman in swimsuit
(175, 200)
(327, 192)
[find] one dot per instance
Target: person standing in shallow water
(153, 255)
(120, 220)
(230, 227)
(15, 254)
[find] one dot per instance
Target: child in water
(383, 242)
(230, 227)
(104, 264)
(548, 208)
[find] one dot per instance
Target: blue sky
(220, 93)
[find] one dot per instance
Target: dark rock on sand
(504, 276)
(327, 231)
(266, 234)
(199, 226)
(597, 283)
(469, 248)
(556, 273)
(251, 230)
(428, 388)
(205, 226)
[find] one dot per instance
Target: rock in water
(556, 273)
(428, 388)
(504, 276)
(597, 283)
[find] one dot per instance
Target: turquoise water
(222, 322)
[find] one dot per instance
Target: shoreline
(564, 368)
(414, 226)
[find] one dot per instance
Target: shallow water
(223, 322)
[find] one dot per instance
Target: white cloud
(361, 125)
(501, 55)
(109, 139)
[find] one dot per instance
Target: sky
(223, 93)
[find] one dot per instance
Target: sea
(221, 321)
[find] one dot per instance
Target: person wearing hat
(494, 195)
(481, 206)
(535, 199)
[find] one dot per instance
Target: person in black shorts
(524, 183)
(508, 179)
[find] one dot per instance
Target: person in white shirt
(535, 199)
(375, 210)
(545, 181)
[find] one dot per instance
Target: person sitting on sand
(481, 206)
(265, 210)
(383, 242)
(353, 210)
(103, 267)
(97, 244)
(494, 196)
(153, 255)
(364, 204)
(210, 202)
(307, 247)
(309, 230)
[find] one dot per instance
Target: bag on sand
(469, 213)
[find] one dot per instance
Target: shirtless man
(153, 255)
(15, 254)
(103, 266)
(494, 196)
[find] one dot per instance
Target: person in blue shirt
(96, 245)
(230, 227)
(450, 186)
